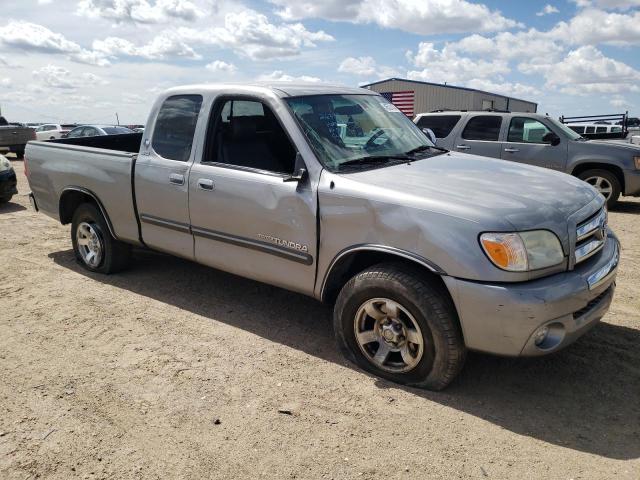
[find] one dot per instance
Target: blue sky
(84, 60)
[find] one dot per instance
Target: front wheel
(94, 247)
(605, 182)
(393, 322)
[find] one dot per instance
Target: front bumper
(8, 183)
(632, 183)
(503, 318)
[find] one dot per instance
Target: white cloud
(516, 89)
(424, 17)
(248, 33)
(164, 46)
(218, 66)
(280, 76)
(547, 10)
(608, 4)
(587, 70)
(366, 67)
(32, 37)
(140, 11)
(446, 65)
(521, 45)
(591, 27)
(5, 82)
(58, 77)
(619, 101)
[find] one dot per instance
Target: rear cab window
(483, 127)
(175, 127)
(441, 125)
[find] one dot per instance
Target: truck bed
(104, 170)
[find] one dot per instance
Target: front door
(245, 218)
(480, 136)
(527, 142)
(162, 176)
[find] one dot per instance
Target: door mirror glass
(551, 138)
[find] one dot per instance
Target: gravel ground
(174, 370)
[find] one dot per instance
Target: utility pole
(117, 118)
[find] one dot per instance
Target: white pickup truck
(334, 193)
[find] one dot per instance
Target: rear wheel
(20, 153)
(605, 182)
(94, 247)
(393, 322)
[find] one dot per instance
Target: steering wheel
(382, 131)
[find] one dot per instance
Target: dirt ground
(174, 370)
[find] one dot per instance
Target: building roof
(420, 82)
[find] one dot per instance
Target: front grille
(592, 304)
(591, 236)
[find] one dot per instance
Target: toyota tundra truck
(332, 192)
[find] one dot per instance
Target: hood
(481, 189)
(600, 144)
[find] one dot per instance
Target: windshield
(345, 128)
(116, 130)
(566, 130)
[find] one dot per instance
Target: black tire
(115, 255)
(4, 200)
(430, 305)
(20, 153)
(609, 177)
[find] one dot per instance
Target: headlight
(4, 164)
(636, 161)
(524, 251)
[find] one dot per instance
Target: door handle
(205, 184)
(176, 179)
(463, 147)
(511, 150)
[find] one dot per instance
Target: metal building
(413, 97)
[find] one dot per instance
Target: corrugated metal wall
(436, 97)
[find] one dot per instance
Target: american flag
(402, 100)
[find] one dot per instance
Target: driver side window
(527, 130)
(247, 134)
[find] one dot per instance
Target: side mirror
(551, 138)
(430, 135)
(299, 171)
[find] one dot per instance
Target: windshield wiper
(374, 160)
(419, 149)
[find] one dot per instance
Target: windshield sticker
(390, 107)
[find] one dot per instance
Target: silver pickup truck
(334, 193)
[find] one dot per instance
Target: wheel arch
(599, 165)
(72, 197)
(353, 260)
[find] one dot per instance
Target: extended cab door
(245, 218)
(528, 141)
(480, 135)
(162, 176)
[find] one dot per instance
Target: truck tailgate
(105, 174)
(11, 135)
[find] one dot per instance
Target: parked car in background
(97, 130)
(612, 168)
(596, 130)
(13, 138)
(51, 131)
(424, 253)
(8, 181)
